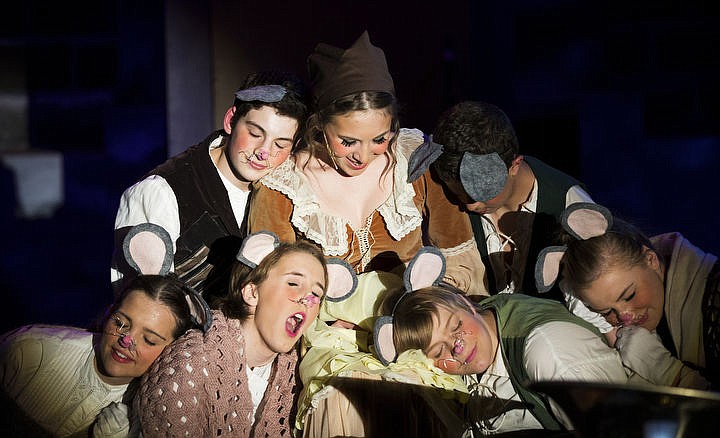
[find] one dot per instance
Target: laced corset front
(397, 217)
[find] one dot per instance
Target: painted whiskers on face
(134, 336)
(262, 157)
(295, 322)
(259, 142)
(122, 331)
(458, 347)
(287, 302)
(463, 342)
(627, 296)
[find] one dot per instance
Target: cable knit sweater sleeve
(173, 399)
(198, 387)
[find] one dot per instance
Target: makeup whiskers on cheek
(309, 301)
(260, 156)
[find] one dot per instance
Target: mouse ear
(200, 312)
(256, 247)
(148, 249)
(422, 157)
(547, 267)
(426, 269)
(342, 280)
(584, 220)
(483, 176)
(383, 339)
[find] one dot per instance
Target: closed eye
(380, 140)
(347, 143)
(437, 352)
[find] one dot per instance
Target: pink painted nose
(126, 341)
(458, 346)
(626, 317)
(262, 154)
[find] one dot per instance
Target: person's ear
(652, 259)
(250, 294)
(515, 165)
(228, 120)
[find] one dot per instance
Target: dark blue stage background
(624, 96)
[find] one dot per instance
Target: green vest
(517, 315)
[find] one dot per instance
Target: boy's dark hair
(476, 127)
(294, 104)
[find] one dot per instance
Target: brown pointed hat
(335, 72)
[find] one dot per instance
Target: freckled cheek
(244, 142)
(279, 156)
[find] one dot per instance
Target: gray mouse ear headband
(483, 176)
(256, 247)
(582, 220)
(342, 280)
(148, 249)
(426, 269)
(262, 93)
(422, 157)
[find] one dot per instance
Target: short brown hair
(414, 313)
(233, 305)
(476, 127)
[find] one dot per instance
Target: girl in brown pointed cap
(361, 190)
(354, 188)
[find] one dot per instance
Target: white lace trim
(459, 249)
(330, 232)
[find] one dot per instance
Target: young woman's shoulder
(564, 350)
(195, 348)
(408, 140)
(40, 333)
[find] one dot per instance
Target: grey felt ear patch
(547, 267)
(422, 157)
(483, 177)
(584, 220)
(262, 93)
(426, 269)
(148, 249)
(256, 246)
(342, 280)
(199, 309)
(383, 340)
